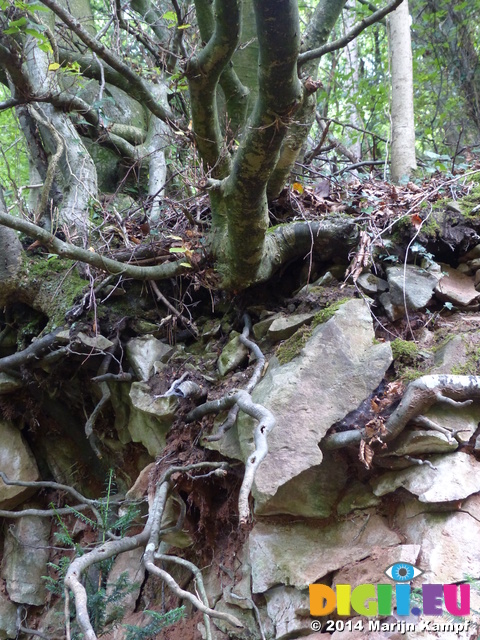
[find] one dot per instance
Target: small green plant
(104, 600)
(159, 622)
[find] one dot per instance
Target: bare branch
(67, 250)
(342, 42)
(143, 93)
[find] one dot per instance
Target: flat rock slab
(285, 326)
(143, 352)
(340, 365)
(456, 287)
(457, 476)
(299, 554)
(18, 463)
(25, 559)
(411, 286)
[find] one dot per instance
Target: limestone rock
(448, 552)
(312, 493)
(25, 558)
(358, 496)
(8, 384)
(285, 326)
(289, 611)
(456, 287)
(127, 565)
(234, 353)
(456, 477)
(8, 618)
(339, 367)
(411, 286)
(299, 554)
(371, 284)
(260, 328)
(451, 353)
(18, 463)
(393, 311)
(93, 342)
(143, 352)
(412, 443)
(372, 569)
(151, 418)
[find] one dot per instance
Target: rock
(285, 326)
(143, 352)
(411, 286)
(394, 312)
(464, 419)
(93, 342)
(413, 443)
(372, 569)
(289, 611)
(8, 618)
(312, 493)
(472, 254)
(128, 568)
(25, 557)
(447, 553)
(234, 353)
(299, 554)
(150, 417)
(456, 477)
(358, 496)
(260, 328)
(9, 384)
(371, 284)
(18, 463)
(456, 287)
(451, 353)
(339, 367)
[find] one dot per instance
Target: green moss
(57, 284)
(472, 366)
(327, 313)
(291, 347)
(404, 350)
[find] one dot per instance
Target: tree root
(266, 422)
(150, 538)
(257, 374)
(421, 394)
(32, 352)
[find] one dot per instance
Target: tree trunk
(403, 125)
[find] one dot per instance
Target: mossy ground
(291, 347)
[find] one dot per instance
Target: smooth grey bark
(11, 261)
(402, 115)
(79, 176)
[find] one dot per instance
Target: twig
(32, 352)
(188, 323)
(256, 375)
(266, 422)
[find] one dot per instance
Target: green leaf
(170, 15)
(183, 26)
(185, 264)
(177, 250)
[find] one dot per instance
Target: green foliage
(104, 600)
(159, 622)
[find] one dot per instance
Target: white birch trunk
(403, 126)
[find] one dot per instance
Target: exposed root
(266, 422)
(421, 394)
